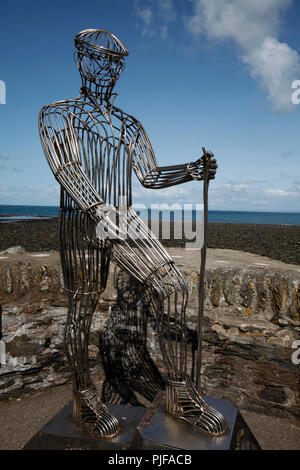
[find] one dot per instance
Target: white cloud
(145, 15)
(253, 195)
(155, 16)
(235, 195)
(167, 10)
(164, 31)
(287, 154)
(254, 27)
(30, 195)
(296, 186)
(281, 193)
(236, 188)
(243, 195)
(274, 64)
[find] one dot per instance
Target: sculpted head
(100, 56)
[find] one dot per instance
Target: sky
(213, 73)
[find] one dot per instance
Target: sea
(10, 213)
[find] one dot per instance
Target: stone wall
(251, 322)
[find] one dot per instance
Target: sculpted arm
(153, 176)
(60, 145)
(63, 152)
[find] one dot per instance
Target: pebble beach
(280, 242)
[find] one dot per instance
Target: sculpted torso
(104, 142)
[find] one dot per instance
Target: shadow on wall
(127, 362)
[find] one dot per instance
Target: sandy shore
(279, 242)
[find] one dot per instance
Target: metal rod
(202, 269)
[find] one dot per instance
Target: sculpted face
(102, 69)
(100, 56)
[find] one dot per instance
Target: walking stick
(206, 157)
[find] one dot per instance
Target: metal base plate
(157, 430)
(144, 429)
(60, 433)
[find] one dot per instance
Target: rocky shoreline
(278, 242)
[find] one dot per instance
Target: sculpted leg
(183, 402)
(148, 261)
(88, 411)
(85, 270)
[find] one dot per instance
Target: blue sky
(216, 73)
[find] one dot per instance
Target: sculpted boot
(94, 417)
(184, 403)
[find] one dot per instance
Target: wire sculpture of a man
(92, 148)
